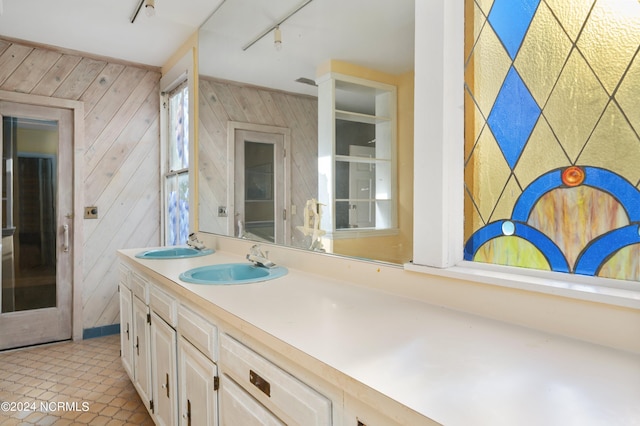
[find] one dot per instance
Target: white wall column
(439, 133)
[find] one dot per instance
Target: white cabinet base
(198, 386)
(163, 367)
(142, 352)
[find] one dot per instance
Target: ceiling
(376, 34)
(103, 27)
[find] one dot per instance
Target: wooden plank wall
(121, 161)
(220, 102)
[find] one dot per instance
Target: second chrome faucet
(259, 258)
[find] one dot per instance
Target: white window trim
(439, 172)
(181, 71)
(439, 133)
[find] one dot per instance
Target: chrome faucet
(259, 258)
(194, 242)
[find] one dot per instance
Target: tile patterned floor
(70, 383)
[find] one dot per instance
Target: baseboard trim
(105, 330)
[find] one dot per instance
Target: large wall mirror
(263, 70)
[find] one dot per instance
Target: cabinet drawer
(272, 385)
(140, 287)
(240, 408)
(201, 333)
(164, 305)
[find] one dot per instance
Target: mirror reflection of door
(36, 218)
(259, 196)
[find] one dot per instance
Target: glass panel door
(36, 263)
(259, 202)
(259, 195)
(29, 231)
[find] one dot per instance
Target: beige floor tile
(61, 377)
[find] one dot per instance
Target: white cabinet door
(198, 386)
(237, 407)
(142, 354)
(163, 357)
(126, 330)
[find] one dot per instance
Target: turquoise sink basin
(231, 273)
(173, 253)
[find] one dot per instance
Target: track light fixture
(277, 38)
(149, 9)
(276, 27)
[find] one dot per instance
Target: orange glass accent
(573, 176)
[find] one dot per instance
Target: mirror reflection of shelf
(360, 118)
(357, 134)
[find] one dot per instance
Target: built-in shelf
(360, 118)
(357, 154)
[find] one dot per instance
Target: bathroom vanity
(308, 349)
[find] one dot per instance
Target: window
(177, 175)
(551, 136)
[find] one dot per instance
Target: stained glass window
(552, 125)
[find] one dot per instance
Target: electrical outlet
(91, 212)
(222, 211)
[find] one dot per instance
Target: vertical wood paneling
(116, 153)
(134, 206)
(11, 59)
(121, 119)
(31, 71)
(3, 46)
(82, 82)
(221, 102)
(56, 75)
(121, 161)
(101, 116)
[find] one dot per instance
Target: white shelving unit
(356, 156)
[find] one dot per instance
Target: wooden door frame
(77, 112)
(232, 127)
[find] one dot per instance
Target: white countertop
(452, 367)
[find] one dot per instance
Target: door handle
(166, 385)
(65, 232)
(187, 415)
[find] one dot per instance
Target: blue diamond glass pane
(513, 117)
(510, 20)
